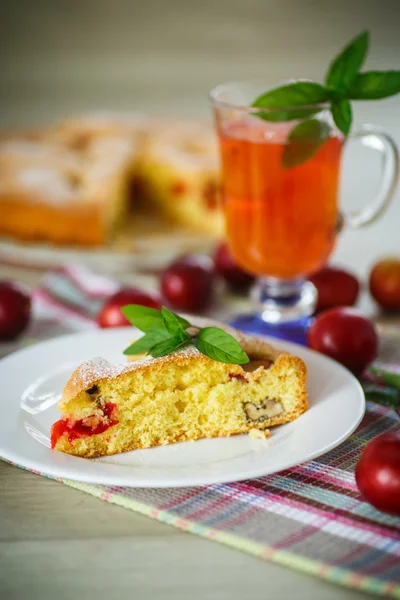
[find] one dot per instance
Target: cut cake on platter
(74, 183)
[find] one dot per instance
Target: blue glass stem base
(282, 301)
(292, 331)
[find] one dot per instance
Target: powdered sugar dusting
(97, 368)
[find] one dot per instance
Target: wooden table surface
(57, 542)
(60, 543)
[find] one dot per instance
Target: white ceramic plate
(32, 380)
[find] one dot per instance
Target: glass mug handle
(381, 141)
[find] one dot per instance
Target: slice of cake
(65, 194)
(185, 395)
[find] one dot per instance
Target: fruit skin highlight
(336, 287)
(188, 283)
(345, 335)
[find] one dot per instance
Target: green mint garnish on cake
(145, 318)
(304, 99)
(219, 345)
(166, 332)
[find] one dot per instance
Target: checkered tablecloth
(309, 518)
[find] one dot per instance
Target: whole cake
(185, 395)
(75, 182)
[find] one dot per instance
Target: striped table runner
(309, 518)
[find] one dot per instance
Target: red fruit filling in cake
(85, 427)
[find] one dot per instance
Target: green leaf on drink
(279, 116)
(299, 93)
(147, 341)
(221, 346)
(345, 67)
(301, 100)
(289, 97)
(304, 141)
(342, 115)
(375, 85)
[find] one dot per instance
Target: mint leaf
(299, 93)
(185, 324)
(289, 96)
(219, 345)
(148, 341)
(175, 325)
(304, 141)
(167, 346)
(145, 318)
(342, 114)
(278, 116)
(374, 85)
(344, 68)
(304, 99)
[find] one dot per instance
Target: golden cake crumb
(257, 434)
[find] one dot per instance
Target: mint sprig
(303, 141)
(148, 341)
(344, 68)
(167, 346)
(304, 99)
(145, 318)
(175, 325)
(375, 85)
(166, 332)
(342, 114)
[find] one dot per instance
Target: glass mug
(282, 221)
